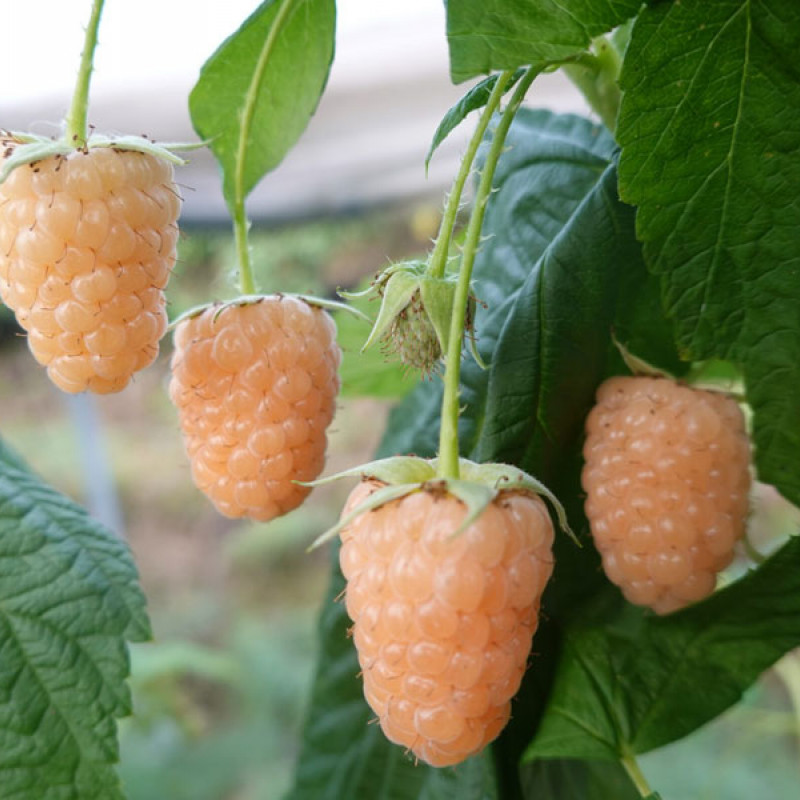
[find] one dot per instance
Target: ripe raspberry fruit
(667, 481)
(443, 623)
(87, 244)
(255, 386)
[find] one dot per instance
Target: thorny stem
(448, 436)
(241, 224)
(636, 775)
(77, 118)
(438, 259)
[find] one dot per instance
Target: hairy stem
(438, 259)
(448, 436)
(241, 225)
(77, 117)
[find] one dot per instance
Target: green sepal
(36, 148)
(475, 496)
(477, 486)
(438, 295)
(397, 293)
(251, 299)
(377, 499)
(329, 305)
(506, 476)
(394, 470)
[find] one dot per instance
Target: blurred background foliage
(220, 693)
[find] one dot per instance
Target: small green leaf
(475, 98)
(257, 92)
(69, 600)
(490, 35)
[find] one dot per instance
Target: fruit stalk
(438, 260)
(77, 118)
(448, 437)
(241, 224)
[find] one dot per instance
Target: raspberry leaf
(488, 35)
(255, 97)
(70, 599)
(474, 99)
(711, 155)
(632, 686)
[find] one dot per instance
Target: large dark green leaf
(488, 35)
(69, 600)
(631, 689)
(257, 92)
(711, 155)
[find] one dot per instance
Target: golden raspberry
(443, 624)
(87, 244)
(667, 481)
(255, 386)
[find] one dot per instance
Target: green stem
(438, 259)
(77, 118)
(636, 775)
(596, 76)
(241, 224)
(448, 435)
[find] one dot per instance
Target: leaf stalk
(636, 775)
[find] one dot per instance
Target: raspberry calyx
(413, 321)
